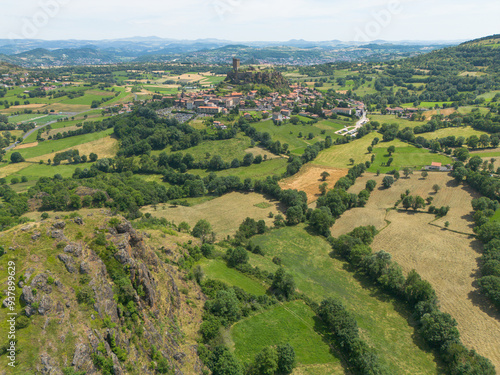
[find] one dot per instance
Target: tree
(92, 157)
(407, 171)
(202, 229)
(321, 220)
(388, 181)
(424, 174)
(370, 185)
(462, 154)
(266, 362)
(396, 175)
(294, 215)
(323, 188)
(370, 149)
(408, 202)
(391, 149)
(223, 362)
(351, 160)
(324, 175)
(436, 188)
(389, 162)
(236, 256)
(286, 358)
(16, 157)
(248, 159)
(283, 284)
(419, 202)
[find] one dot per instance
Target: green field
(217, 269)
(465, 131)
(228, 149)
(406, 156)
(35, 171)
(383, 322)
(48, 147)
(289, 133)
(272, 167)
(291, 322)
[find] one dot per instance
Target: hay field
(375, 211)
(449, 261)
(309, 179)
(225, 213)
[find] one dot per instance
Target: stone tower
(236, 64)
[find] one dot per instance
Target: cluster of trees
(336, 201)
(489, 233)
(73, 157)
(437, 328)
(13, 206)
(342, 324)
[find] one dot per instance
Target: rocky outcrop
(68, 261)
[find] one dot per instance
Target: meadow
(317, 275)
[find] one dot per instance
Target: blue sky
(246, 20)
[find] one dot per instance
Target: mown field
(225, 213)
(447, 259)
(316, 274)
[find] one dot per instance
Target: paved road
(29, 132)
(359, 124)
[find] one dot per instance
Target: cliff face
(101, 298)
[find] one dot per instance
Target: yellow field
(225, 213)
(448, 260)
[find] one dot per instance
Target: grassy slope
(319, 276)
(217, 269)
(291, 322)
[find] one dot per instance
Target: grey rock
(6, 303)
(27, 295)
(45, 305)
(58, 283)
(84, 268)
(48, 366)
(74, 248)
(20, 284)
(81, 358)
(28, 274)
(122, 256)
(179, 357)
(12, 248)
(57, 234)
(59, 225)
(27, 227)
(36, 236)
(40, 282)
(68, 262)
(124, 227)
(78, 220)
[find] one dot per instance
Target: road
(359, 124)
(29, 132)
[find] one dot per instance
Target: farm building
(438, 167)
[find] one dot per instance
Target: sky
(250, 20)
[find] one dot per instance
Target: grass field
(273, 167)
(225, 213)
(319, 276)
(289, 133)
(228, 149)
(457, 132)
(217, 269)
(405, 156)
(291, 322)
(338, 156)
(62, 144)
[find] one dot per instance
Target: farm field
(375, 211)
(289, 133)
(319, 276)
(218, 270)
(273, 167)
(225, 213)
(338, 156)
(309, 179)
(446, 259)
(291, 322)
(466, 132)
(227, 149)
(449, 261)
(62, 144)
